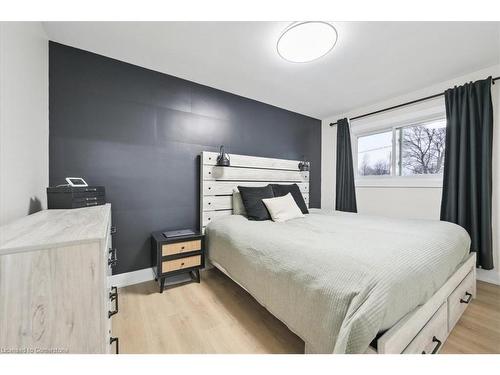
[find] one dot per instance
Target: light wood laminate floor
(217, 316)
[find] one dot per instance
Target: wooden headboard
(217, 183)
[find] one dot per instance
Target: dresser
(177, 255)
(54, 292)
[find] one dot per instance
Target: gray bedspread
(338, 279)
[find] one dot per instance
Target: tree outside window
(419, 150)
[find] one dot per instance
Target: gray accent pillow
(252, 200)
(280, 190)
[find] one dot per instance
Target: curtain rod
(403, 104)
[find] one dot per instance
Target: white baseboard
(140, 276)
(130, 278)
(491, 276)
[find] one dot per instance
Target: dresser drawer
(459, 300)
(431, 337)
(180, 247)
(181, 263)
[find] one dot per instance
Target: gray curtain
(467, 181)
(345, 197)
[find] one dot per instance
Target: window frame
(393, 180)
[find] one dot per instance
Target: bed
(344, 283)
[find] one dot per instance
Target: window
(374, 154)
(410, 150)
(421, 148)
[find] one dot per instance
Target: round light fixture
(306, 41)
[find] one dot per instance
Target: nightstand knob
(183, 247)
(209, 203)
(209, 218)
(182, 263)
(209, 188)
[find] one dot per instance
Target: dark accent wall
(139, 133)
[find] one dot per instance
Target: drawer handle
(183, 247)
(113, 230)
(113, 296)
(182, 264)
(91, 199)
(90, 189)
(112, 340)
(113, 257)
(114, 293)
(436, 348)
(468, 297)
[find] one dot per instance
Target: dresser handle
(183, 247)
(112, 340)
(436, 348)
(468, 296)
(114, 293)
(90, 189)
(113, 296)
(113, 257)
(113, 230)
(91, 199)
(88, 204)
(182, 264)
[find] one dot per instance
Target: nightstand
(177, 255)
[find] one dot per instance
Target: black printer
(75, 196)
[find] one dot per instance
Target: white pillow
(238, 206)
(283, 208)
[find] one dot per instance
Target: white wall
(24, 122)
(411, 202)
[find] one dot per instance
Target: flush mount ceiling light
(306, 41)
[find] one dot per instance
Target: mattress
(338, 279)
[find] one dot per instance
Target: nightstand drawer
(180, 247)
(178, 264)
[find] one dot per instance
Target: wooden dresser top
(53, 228)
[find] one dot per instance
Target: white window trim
(392, 180)
(420, 181)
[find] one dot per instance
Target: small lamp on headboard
(223, 158)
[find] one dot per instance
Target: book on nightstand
(178, 233)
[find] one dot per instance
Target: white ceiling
(372, 61)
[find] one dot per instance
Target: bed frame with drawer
(426, 328)
(423, 331)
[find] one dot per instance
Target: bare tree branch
(423, 149)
